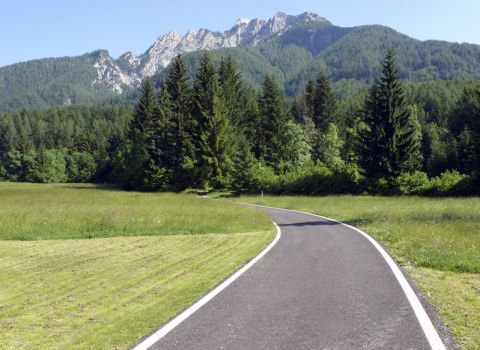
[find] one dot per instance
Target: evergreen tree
(410, 142)
(242, 163)
(216, 141)
(467, 117)
(214, 128)
(178, 107)
(466, 151)
(205, 87)
(231, 91)
(310, 92)
(142, 165)
(271, 123)
(387, 136)
(323, 103)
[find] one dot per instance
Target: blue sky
(32, 29)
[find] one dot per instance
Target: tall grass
(442, 233)
(32, 212)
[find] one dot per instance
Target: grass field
(63, 289)
(437, 241)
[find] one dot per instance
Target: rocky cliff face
(130, 70)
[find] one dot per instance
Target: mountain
(292, 48)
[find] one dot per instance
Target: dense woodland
(214, 131)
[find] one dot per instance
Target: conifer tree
(141, 163)
(178, 108)
(214, 128)
(467, 114)
(388, 136)
(324, 103)
(231, 91)
(216, 141)
(271, 122)
(310, 98)
(410, 142)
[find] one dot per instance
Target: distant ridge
(292, 48)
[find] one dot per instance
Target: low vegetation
(437, 241)
(54, 211)
(87, 292)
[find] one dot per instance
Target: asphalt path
(322, 286)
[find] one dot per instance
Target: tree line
(219, 133)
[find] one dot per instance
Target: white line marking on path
(163, 331)
(427, 326)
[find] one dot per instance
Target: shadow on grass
(104, 187)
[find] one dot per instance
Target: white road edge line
(427, 326)
(164, 330)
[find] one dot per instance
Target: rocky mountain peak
(130, 69)
(310, 17)
(242, 22)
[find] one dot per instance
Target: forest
(215, 131)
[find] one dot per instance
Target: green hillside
(350, 57)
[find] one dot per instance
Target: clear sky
(32, 29)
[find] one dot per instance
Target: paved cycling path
(324, 285)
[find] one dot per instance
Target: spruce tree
(231, 91)
(388, 136)
(216, 141)
(271, 123)
(214, 128)
(141, 163)
(205, 87)
(410, 142)
(467, 116)
(309, 101)
(178, 105)
(324, 103)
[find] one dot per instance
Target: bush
(314, 179)
(382, 186)
(413, 183)
(310, 180)
(448, 183)
(263, 178)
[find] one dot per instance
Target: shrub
(380, 186)
(317, 179)
(448, 183)
(413, 183)
(310, 180)
(263, 178)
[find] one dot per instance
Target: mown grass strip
(107, 293)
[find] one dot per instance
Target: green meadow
(95, 268)
(436, 240)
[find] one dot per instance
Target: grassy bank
(106, 293)
(436, 240)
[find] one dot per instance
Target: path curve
(322, 286)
